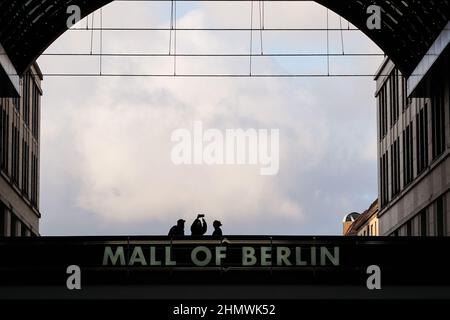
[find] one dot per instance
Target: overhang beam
(9, 79)
(428, 60)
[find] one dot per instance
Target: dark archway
(408, 27)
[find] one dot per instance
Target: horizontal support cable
(216, 54)
(212, 29)
(211, 75)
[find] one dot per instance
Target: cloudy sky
(105, 146)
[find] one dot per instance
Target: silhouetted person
(177, 230)
(217, 231)
(198, 227)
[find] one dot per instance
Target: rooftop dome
(351, 217)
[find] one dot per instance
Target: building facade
(413, 151)
(348, 221)
(19, 158)
(362, 225)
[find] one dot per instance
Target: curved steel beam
(408, 29)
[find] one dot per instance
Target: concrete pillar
(7, 223)
(18, 228)
(431, 221)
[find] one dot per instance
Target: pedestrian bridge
(231, 267)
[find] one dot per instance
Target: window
(438, 122)
(25, 164)
(395, 167)
(423, 223)
(409, 228)
(408, 155)
(422, 139)
(23, 230)
(15, 150)
(394, 96)
(34, 178)
(384, 180)
(13, 225)
(26, 98)
(440, 221)
(4, 138)
(36, 111)
(16, 103)
(382, 111)
(405, 100)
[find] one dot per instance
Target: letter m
(239, 310)
(109, 256)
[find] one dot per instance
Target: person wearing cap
(217, 231)
(177, 230)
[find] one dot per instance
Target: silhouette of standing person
(178, 229)
(198, 227)
(217, 231)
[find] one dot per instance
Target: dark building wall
(19, 158)
(413, 152)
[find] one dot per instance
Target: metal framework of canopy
(409, 27)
